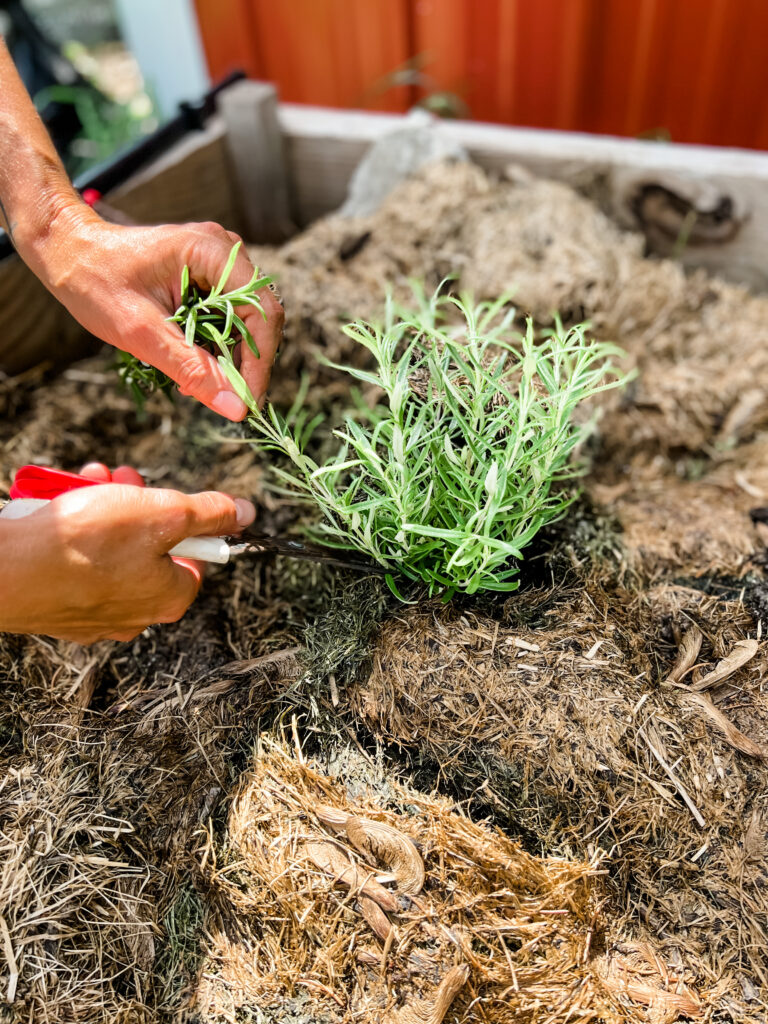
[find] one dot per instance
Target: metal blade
(258, 543)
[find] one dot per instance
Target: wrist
(47, 239)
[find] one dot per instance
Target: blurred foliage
(107, 123)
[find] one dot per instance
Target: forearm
(35, 192)
(122, 283)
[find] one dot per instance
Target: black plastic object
(118, 168)
(41, 66)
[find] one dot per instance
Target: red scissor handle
(43, 482)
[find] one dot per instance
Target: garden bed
(559, 757)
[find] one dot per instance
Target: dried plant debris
(98, 809)
(566, 732)
(492, 933)
(567, 712)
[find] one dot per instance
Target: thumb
(208, 513)
(194, 370)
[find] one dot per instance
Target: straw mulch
(610, 717)
(472, 925)
(574, 727)
(109, 760)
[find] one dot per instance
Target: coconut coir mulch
(610, 717)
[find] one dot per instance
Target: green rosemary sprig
(472, 449)
(208, 320)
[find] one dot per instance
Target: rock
(394, 157)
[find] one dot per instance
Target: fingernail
(229, 405)
(261, 401)
(246, 512)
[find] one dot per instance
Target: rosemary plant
(208, 320)
(470, 449)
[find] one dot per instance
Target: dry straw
(404, 913)
(155, 734)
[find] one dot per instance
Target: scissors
(34, 486)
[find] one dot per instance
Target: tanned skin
(93, 564)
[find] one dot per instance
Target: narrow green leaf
(232, 259)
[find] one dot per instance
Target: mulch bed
(581, 765)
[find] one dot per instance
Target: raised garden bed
(605, 728)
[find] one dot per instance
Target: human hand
(104, 475)
(93, 564)
(121, 283)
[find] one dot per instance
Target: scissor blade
(261, 542)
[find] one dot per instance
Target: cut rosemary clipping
(208, 320)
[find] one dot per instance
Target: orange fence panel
(337, 53)
(694, 70)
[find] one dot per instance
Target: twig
(674, 779)
(10, 956)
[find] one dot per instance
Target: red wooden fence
(696, 70)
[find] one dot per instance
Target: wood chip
(594, 649)
(332, 816)
(386, 844)
(332, 860)
(375, 918)
(432, 1011)
(742, 652)
(378, 841)
(734, 736)
(687, 654)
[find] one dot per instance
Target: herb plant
(468, 451)
(469, 448)
(208, 320)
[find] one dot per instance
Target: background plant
(468, 451)
(209, 319)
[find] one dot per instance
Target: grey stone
(394, 157)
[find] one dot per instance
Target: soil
(560, 758)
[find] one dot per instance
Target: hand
(93, 564)
(121, 283)
(105, 475)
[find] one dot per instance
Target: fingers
(267, 334)
(185, 585)
(207, 255)
(122, 475)
(208, 258)
(205, 250)
(209, 513)
(194, 370)
(127, 475)
(196, 568)
(97, 471)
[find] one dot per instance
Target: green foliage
(467, 454)
(180, 953)
(107, 124)
(208, 320)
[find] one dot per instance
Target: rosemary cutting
(208, 320)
